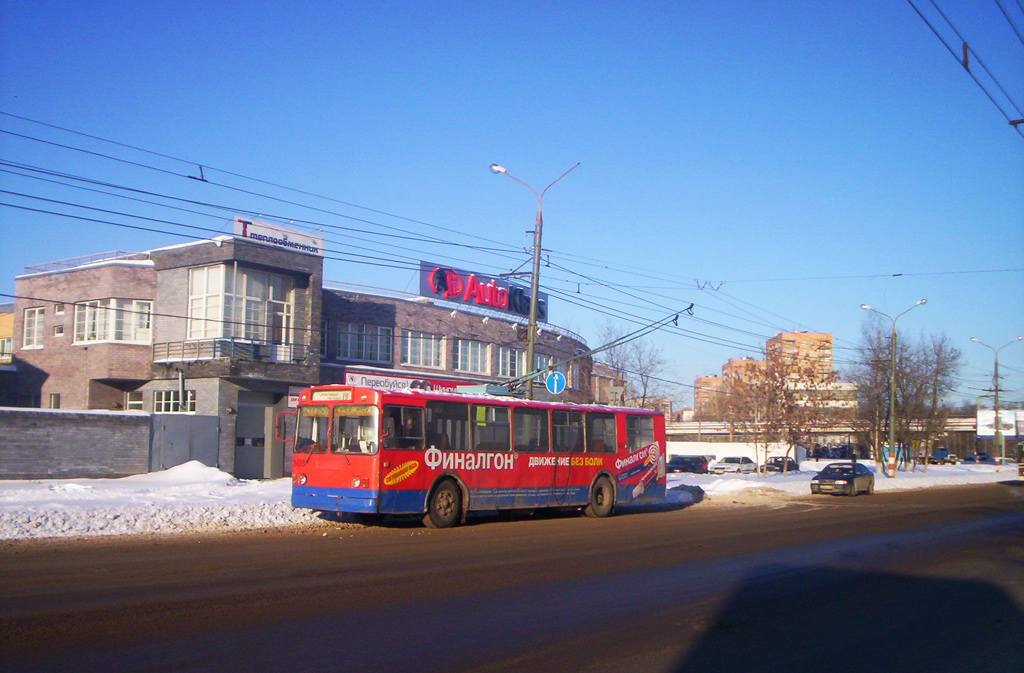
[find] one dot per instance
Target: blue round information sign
(555, 382)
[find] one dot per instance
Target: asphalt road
(928, 580)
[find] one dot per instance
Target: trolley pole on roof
(531, 330)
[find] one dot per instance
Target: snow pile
(188, 498)
(196, 498)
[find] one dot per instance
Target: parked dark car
(779, 464)
(695, 464)
(844, 479)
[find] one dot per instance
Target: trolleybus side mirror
(281, 426)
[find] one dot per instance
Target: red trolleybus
(442, 455)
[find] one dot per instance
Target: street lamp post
(892, 382)
(999, 439)
(531, 330)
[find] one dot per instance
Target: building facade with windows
(398, 341)
(229, 330)
(217, 328)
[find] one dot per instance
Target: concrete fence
(56, 444)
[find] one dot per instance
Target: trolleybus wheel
(602, 499)
(444, 507)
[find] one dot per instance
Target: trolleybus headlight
(302, 480)
(355, 483)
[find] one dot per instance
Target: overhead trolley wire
(967, 48)
(394, 259)
(1007, 17)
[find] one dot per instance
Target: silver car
(735, 464)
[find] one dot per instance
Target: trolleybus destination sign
(467, 287)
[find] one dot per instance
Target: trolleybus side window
(354, 429)
(530, 429)
(491, 431)
(639, 431)
(448, 425)
(402, 428)
(567, 431)
(311, 432)
(601, 436)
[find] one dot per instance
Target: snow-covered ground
(196, 498)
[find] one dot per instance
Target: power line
(1007, 17)
(193, 163)
(965, 65)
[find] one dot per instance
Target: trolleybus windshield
(311, 433)
(354, 428)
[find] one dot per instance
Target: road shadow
(843, 620)
(679, 497)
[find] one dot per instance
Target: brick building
(808, 348)
(232, 328)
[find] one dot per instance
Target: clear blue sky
(776, 164)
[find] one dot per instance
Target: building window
(58, 330)
(113, 319)
(509, 361)
(58, 309)
(6, 346)
(28, 401)
(470, 356)
(323, 337)
(55, 400)
(366, 343)
(540, 362)
(205, 302)
(133, 400)
(33, 327)
(235, 302)
(421, 349)
(169, 402)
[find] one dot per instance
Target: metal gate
(179, 438)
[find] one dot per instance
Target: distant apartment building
(812, 350)
(742, 369)
(707, 396)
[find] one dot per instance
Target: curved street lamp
(999, 440)
(892, 382)
(531, 330)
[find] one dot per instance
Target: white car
(737, 464)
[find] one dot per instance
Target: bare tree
(925, 374)
(782, 402)
(637, 363)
